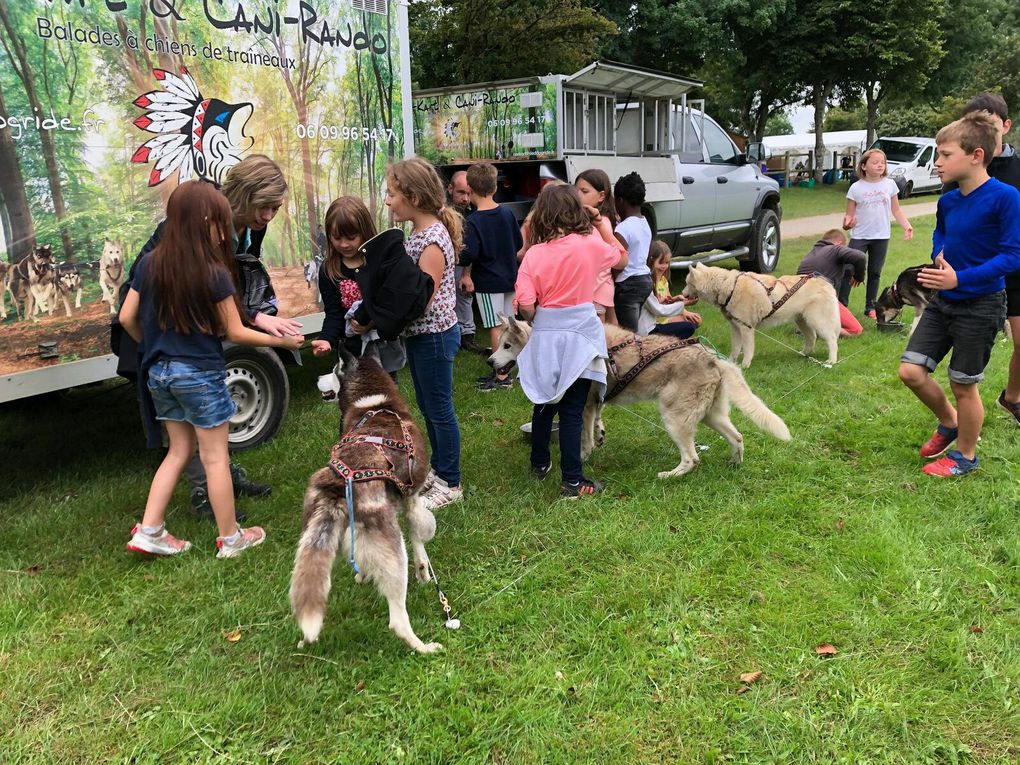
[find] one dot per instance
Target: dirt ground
(86, 333)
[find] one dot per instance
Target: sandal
(586, 487)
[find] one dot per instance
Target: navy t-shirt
(491, 241)
(204, 352)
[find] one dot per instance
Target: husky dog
(750, 301)
(68, 280)
(904, 291)
(690, 384)
(372, 410)
(111, 272)
(31, 282)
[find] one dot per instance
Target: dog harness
(349, 475)
(776, 305)
(644, 359)
(406, 446)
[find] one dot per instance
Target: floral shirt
(441, 315)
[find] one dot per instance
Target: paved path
(817, 225)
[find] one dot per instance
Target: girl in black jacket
(370, 288)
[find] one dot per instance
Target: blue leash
(350, 521)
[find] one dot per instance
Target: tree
(19, 230)
(838, 118)
(779, 124)
(466, 41)
(14, 45)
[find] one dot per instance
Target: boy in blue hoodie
(976, 242)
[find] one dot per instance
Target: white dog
(750, 301)
(111, 272)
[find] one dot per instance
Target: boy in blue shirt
(975, 244)
(491, 241)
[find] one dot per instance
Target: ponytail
(454, 225)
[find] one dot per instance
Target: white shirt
(652, 309)
(638, 236)
(874, 208)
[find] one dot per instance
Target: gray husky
(383, 453)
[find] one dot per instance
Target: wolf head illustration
(197, 136)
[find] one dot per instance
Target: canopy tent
(838, 141)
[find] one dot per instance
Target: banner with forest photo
(106, 105)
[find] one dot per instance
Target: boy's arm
(938, 236)
(855, 258)
(1008, 259)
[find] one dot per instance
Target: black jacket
(255, 289)
(394, 290)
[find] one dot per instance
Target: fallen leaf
(32, 570)
(826, 649)
(360, 686)
(909, 486)
(976, 629)
(840, 524)
(673, 530)
(743, 689)
(756, 597)
(750, 677)
(498, 423)
(559, 675)
(233, 636)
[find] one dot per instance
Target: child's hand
(941, 276)
(694, 318)
(321, 347)
(908, 233)
(593, 213)
(687, 300)
(467, 285)
(292, 342)
(849, 221)
(358, 327)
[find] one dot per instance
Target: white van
(911, 163)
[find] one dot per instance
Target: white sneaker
(163, 543)
(441, 494)
(252, 536)
(430, 479)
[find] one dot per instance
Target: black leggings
(571, 411)
(876, 250)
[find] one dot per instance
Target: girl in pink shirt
(556, 288)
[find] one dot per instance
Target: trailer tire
(764, 243)
(258, 383)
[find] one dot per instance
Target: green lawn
(602, 631)
(801, 202)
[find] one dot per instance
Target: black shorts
(1013, 295)
(965, 327)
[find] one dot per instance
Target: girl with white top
(634, 283)
(871, 203)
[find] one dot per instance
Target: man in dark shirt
(459, 195)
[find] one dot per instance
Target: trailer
(106, 107)
(705, 197)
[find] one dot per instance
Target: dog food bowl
(890, 326)
(526, 432)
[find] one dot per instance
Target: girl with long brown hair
(182, 301)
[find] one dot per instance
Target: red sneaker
(939, 442)
(953, 464)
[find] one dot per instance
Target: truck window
(720, 147)
(690, 151)
(925, 157)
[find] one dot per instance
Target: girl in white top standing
(634, 283)
(871, 203)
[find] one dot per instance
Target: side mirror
(757, 152)
(921, 163)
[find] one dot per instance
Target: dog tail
(750, 404)
(310, 583)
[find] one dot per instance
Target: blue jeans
(430, 359)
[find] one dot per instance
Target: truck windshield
(897, 151)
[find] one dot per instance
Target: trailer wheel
(258, 383)
(764, 243)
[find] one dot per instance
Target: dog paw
(422, 573)
(430, 648)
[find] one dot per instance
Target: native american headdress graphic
(200, 137)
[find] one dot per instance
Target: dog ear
(346, 361)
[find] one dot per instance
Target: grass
(610, 630)
(801, 202)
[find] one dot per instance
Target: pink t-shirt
(565, 271)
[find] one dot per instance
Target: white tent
(838, 141)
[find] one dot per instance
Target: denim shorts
(184, 393)
(965, 327)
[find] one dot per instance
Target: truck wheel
(258, 383)
(764, 243)
(907, 190)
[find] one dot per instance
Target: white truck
(116, 103)
(706, 198)
(911, 163)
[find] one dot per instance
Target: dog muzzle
(327, 388)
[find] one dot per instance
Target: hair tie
(442, 209)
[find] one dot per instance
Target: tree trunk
(820, 98)
(19, 231)
(24, 71)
